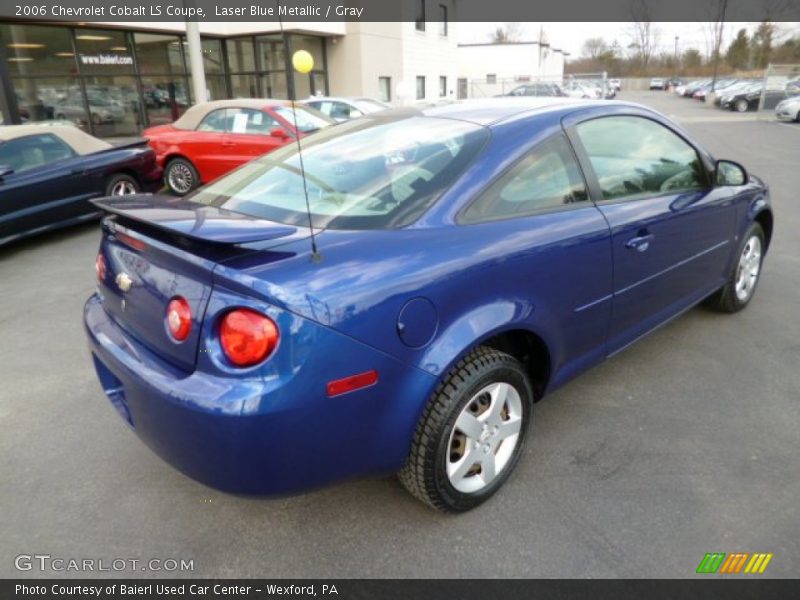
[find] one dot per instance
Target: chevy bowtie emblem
(124, 282)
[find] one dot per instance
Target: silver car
(789, 109)
(343, 108)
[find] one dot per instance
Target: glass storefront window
(33, 50)
(241, 54)
(212, 56)
(43, 99)
(165, 98)
(114, 106)
(275, 85)
(103, 52)
(216, 87)
(245, 86)
(271, 52)
(159, 54)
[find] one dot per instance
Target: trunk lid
(157, 248)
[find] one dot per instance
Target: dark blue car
(465, 260)
(50, 171)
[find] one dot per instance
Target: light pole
(675, 71)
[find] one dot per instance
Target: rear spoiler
(197, 222)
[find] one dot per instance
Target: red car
(212, 138)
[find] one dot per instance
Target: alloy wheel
(484, 437)
(748, 270)
(123, 187)
(180, 178)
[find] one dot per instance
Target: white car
(789, 109)
(615, 83)
(656, 83)
(573, 89)
(343, 108)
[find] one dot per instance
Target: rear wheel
(743, 277)
(180, 176)
(471, 433)
(122, 184)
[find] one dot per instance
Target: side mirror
(728, 172)
(5, 170)
(278, 132)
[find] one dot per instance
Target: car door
(205, 146)
(671, 229)
(249, 135)
(43, 186)
(558, 251)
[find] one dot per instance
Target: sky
(570, 36)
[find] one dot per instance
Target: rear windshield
(369, 173)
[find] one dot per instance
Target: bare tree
(643, 32)
(508, 32)
(594, 47)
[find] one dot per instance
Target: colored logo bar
(734, 563)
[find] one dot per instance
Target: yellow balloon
(302, 61)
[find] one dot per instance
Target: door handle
(640, 243)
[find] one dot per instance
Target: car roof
(494, 110)
(192, 117)
(80, 141)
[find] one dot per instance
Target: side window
(547, 178)
(34, 151)
(634, 156)
(213, 121)
(340, 110)
(249, 120)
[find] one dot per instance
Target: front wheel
(471, 433)
(741, 106)
(743, 277)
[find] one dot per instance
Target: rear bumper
(263, 434)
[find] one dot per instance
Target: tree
(762, 43)
(692, 58)
(510, 32)
(738, 54)
(594, 48)
(644, 33)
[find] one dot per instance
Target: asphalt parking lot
(686, 443)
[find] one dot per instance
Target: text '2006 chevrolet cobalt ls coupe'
(469, 258)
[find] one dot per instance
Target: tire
(180, 176)
(734, 296)
(741, 106)
(489, 393)
(122, 184)
(797, 118)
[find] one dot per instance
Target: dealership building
(115, 78)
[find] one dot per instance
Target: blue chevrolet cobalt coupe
(397, 296)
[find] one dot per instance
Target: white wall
(368, 51)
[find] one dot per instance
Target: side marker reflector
(352, 383)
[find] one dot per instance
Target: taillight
(247, 337)
(179, 318)
(100, 267)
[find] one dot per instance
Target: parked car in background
(673, 83)
(656, 83)
(467, 262)
(575, 89)
(537, 89)
(692, 87)
(789, 109)
(212, 138)
(732, 89)
(615, 83)
(49, 171)
(743, 99)
(343, 108)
